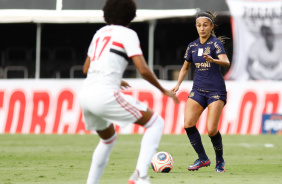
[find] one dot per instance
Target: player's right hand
(172, 95)
(175, 89)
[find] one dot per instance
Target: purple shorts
(204, 98)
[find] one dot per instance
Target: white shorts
(102, 108)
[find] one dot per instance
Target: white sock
(150, 143)
(100, 159)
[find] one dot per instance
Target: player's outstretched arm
(183, 72)
(149, 76)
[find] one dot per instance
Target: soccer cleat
(143, 181)
(198, 164)
(135, 179)
(220, 166)
(140, 181)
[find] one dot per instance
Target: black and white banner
(257, 39)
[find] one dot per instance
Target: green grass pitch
(65, 159)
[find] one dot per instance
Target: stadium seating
(15, 72)
(16, 62)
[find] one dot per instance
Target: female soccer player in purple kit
(207, 54)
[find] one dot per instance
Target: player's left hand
(124, 85)
(208, 57)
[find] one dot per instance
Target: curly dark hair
(119, 12)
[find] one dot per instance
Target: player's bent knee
(212, 133)
(111, 141)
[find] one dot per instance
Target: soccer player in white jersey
(101, 100)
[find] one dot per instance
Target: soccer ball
(162, 162)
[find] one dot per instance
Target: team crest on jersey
(191, 94)
(207, 50)
(209, 43)
(218, 49)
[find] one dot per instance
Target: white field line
(248, 145)
(268, 145)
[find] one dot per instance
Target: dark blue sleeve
(219, 49)
(188, 55)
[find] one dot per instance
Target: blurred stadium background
(64, 41)
(49, 40)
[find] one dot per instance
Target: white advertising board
(51, 106)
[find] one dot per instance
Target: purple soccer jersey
(207, 75)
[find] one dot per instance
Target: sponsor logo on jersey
(194, 45)
(186, 53)
(200, 51)
(218, 49)
(209, 43)
(215, 97)
(203, 65)
(202, 90)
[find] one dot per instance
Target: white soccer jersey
(100, 98)
(109, 51)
